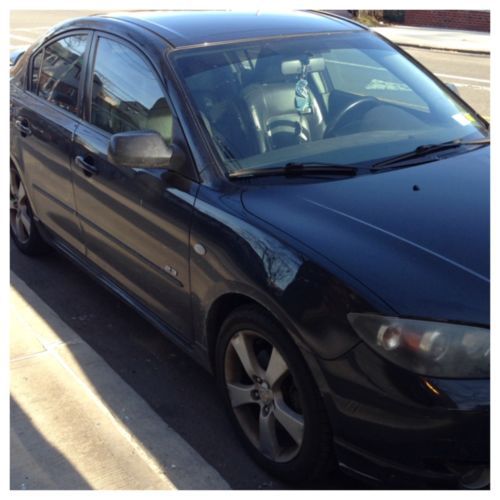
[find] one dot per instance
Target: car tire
(23, 229)
(272, 398)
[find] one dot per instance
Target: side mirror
(16, 54)
(143, 149)
(453, 88)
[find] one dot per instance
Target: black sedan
(295, 202)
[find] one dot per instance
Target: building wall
(476, 20)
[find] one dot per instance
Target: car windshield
(347, 99)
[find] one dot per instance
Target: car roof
(184, 28)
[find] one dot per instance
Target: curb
(442, 49)
(122, 414)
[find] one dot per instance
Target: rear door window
(61, 72)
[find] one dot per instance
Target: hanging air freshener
(302, 99)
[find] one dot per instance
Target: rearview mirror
(295, 67)
(143, 149)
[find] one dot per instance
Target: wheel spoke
(268, 440)
(13, 185)
(19, 228)
(276, 368)
(25, 219)
(21, 193)
(292, 422)
(240, 394)
(243, 345)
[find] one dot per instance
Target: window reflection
(126, 95)
(61, 71)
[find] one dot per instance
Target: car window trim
(29, 82)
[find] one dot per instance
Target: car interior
(116, 115)
(250, 106)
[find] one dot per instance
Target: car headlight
(427, 347)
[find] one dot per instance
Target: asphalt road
(469, 72)
(154, 367)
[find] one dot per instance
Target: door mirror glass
(143, 149)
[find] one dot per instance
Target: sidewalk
(75, 424)
(433, 38)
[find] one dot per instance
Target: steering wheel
(364, 103)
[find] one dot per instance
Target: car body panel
(135, 224)
(136, 228)
(183, 28)
(272, 270)
(381, 216)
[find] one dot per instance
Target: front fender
(242, 258)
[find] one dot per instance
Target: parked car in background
(294, 201)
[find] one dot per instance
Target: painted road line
(14, 45)
(468, 78)
(30, 30)
(380, 68)
(468, 85)
(23, 38)
(356, 65)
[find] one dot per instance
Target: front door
(135, 221)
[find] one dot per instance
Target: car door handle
(86, 164)
(23, 127)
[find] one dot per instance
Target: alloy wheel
(20, 211)
(264, 396)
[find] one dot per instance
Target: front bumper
(398, 429)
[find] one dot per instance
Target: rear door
(135, 221)
(45, 120)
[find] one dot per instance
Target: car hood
(417, 237)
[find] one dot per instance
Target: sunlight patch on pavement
(69, 405)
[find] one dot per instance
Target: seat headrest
(267, 68)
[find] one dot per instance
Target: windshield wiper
(424, 150)
(296, 169)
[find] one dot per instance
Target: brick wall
(476, 20)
